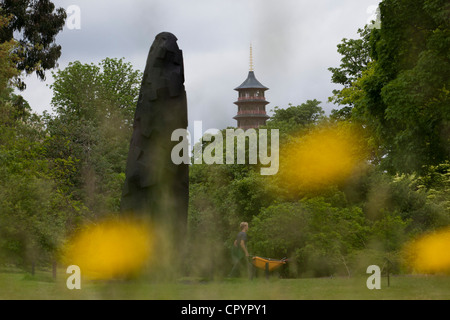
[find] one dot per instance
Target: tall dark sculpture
(154, 186)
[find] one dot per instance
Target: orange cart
(268, 264)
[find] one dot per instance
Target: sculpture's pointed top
(166, 35)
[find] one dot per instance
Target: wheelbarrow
(267, 264)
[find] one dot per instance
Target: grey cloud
(294, 43)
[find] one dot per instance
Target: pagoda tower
(251, 101)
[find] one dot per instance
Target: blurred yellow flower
(430, 253)
(325, 156)
(110, 249)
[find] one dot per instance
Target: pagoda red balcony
(251, 98)
(245, 112)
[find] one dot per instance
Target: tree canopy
(94, 110)
(402, 93)
(37, 23)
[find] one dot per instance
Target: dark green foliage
(36, 212)
(302, 115)
(57, 171)
(402, 95)
(38, 23)
(313, 234)
(94, 108)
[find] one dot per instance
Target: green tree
(402, 95)
(94, 108)
(355, 59)
(37, 22)
(305, 114)
(317, 236)
(36, 213)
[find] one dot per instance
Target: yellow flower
(430, 253)
(323, 157)
(110, 249)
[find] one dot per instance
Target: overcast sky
(294, 43)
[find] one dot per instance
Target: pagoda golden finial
(251, 58)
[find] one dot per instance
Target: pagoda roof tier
(251, 101)
(251, 83)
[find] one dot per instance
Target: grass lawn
(19, 285)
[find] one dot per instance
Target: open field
(19, 285)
